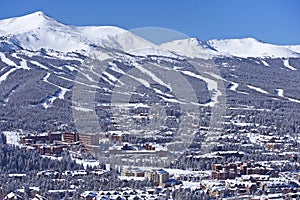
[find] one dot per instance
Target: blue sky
(272, 21)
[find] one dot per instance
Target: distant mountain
(246, 47)
(191, 47)
(50, 79)
(250, 47)
(42, 31)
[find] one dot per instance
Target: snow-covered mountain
(295, 48)
(191, 47)
(43, 61)
(37, 30)
(250, 47)
(246, 47)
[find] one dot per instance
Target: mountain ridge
(51, 79)
(42, 31)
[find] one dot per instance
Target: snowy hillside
(37, 30)
(295, 48)
(42, 31)
(250, 47)
(35, 80)
(246, 47)
(191, 47)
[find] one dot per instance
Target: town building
(159, 177)
(89, 139)
(51, 149)
(232, 170)
(136, 172)
(70, 137)
(44, 138)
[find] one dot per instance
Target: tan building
(83, 138)
(49, 137)
(89, 138)
(232, 170)
(159, 177)
(51, 150)
(133, 172)
(70, 137)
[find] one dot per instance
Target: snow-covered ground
(85, 163)
(257, 89)
(153, 76)
(177, 172)
(265, 63)
(12, 137)
(293, 100)
(287, 65)
(60, 95)
(250, 47)
(6, 60)
(52, 157)
(128, 178)
(280, 93)
(212, 86)
(4, 76)
(191, 185)
(39, 65)
(190, 47)
(82, 109)
(23, 65)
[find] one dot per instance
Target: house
(116, 136)
(48, 173)
(88, 195)
(32, 193)
(217, 191)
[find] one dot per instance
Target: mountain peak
(37, 30)
(25, 23)
(39, 15)
(42, 31)
(36, 14)
(250, 47)
(190, 47)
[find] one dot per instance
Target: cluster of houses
(251, 187)
(234, 180)
(128, 194)
(276, 143)
(54, 143)
(159, 177)
(251, 180)
(236, 169)
(144, 149)
(20, 194)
